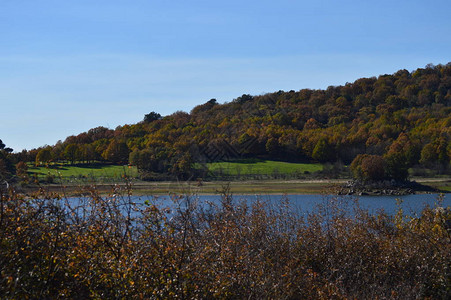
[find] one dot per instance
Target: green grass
(100, 171)
(84, 171)
(251, 167)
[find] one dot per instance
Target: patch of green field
(102, 172)
(249, 167)
(84, 171)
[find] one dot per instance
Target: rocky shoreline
(383, 188)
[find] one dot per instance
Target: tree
(401, 155)
(204, 107)
(323, 151)
(22, 171)
(117, 152)
(143, 160)
(436, 153)
(7, 169)
(272, 146)
(152, 116)
(44, 156)
(312, 124)
(368, 167)
(182, 167)
(71, 152)
(243, 99)
(4, 148)
(396, 166)
(154, 159)
(87, 153)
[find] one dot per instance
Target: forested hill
(404, 118)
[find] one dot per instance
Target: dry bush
(107, 247)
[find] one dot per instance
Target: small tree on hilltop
(152, 116)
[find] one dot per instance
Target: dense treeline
(111, 248)
(402, 120)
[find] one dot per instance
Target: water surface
(411, 204)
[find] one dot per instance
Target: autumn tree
(401, 155)
(154, 159)
(368, 167)
(6, 166)
(117, 152)
(182, 166)
(323, 151)
(87, 153)
(44, 156)
(272, 146)
(396, 166)
(71, 152)
(144, 160)
(22, 171)
(152, 116)
(437, 153)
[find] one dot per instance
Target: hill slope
(407, 113)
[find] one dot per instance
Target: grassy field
(250, 167)
(245, 167)
(94, 171)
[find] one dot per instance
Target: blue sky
(68, 66)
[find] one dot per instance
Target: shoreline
(250, 187)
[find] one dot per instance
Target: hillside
(404, 117)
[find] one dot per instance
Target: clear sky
(68, 66)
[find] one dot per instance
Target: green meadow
(101, 172)
(91, 171)
(260, 167)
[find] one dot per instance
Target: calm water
(411, 204)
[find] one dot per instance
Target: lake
(411, 204)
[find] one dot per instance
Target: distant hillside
(406, 113)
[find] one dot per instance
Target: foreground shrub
(109, 247)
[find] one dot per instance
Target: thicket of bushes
(108, 247)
